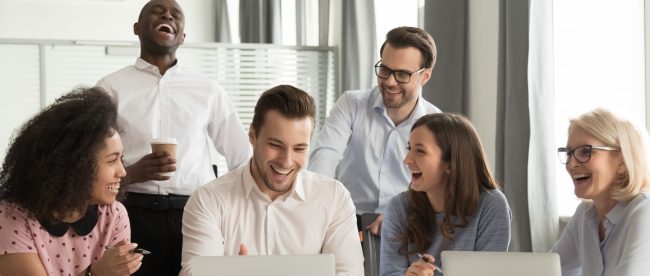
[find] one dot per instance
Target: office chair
(370, 246)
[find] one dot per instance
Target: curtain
(260, 21)
(222, 22)
(544, 219)
(358, 45)
(323, 22)
(513, 120)
(446, 21)
(525, 130)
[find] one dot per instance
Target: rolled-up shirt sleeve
(332, 140)
(227, 132)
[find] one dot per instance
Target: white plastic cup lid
(164, 141)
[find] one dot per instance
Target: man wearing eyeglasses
(363, 141)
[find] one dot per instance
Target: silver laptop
(470, 263)
(267, 265)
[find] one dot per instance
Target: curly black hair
(51, 163)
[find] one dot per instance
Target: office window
(244, 71)
(599, 62)
(290, 11)
(390, 14)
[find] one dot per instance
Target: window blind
(244, 71)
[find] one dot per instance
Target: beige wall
(483, 33)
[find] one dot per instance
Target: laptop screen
(470, 263)
(267, 265)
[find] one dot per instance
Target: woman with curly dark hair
(453, 202)
(58, 184)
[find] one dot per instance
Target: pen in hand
(135, 250)
(422, 259)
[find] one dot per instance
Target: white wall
(92, 19)
(483, 33)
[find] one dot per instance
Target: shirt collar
(297, 191)
(143, 65)
(418, 110)
(616, 213)
(378, 102)
(611, 218)
(82, 227)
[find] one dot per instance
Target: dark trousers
(156, 222)
(359, 226)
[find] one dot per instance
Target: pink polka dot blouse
(67, 255)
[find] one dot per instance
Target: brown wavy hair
(469, 176)
(51, 163)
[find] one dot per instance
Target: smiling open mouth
(416, 174)
(114, 187)
(388, 91)
(280, 170)
(581, 177)
(166, 28)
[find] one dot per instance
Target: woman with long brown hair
(453, 202)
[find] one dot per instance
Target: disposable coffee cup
(165, 144)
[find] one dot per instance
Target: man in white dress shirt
(158, 98)
(273, 206)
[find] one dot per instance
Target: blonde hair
(633, 144)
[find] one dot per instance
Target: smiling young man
(158, 98)
(363, 141)
(273, 206)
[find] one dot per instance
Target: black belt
(156, 202)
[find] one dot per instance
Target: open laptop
(267, 265)
(470, 263)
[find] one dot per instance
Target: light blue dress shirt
(360, 146)
(625, 250)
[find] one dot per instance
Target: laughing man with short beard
(363, 141)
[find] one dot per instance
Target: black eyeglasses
(384, 72)
(581, 153)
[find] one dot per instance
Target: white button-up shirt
(315, 216)
(181, 105)
(360, 146)
(625, 250)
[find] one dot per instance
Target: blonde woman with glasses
(607, 159)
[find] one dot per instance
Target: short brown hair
(402, 37)
(291, 102)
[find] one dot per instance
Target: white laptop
(267, 265)
(470, 263)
